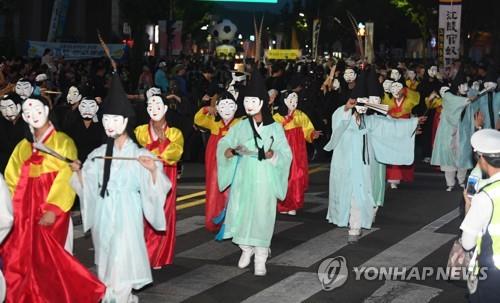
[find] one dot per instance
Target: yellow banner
(283, 54)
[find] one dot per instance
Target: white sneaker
(292, 212)
(246, 256)
(261, 254)
(353, 235)
(449, 188)
(393, 185)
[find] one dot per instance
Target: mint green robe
(447, 143)
(390, 141)
(255, 185)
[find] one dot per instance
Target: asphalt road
(414, 230)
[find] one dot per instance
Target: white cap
(41, 77)
(162, 64)
(486, 141)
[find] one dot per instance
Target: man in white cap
(481, 226)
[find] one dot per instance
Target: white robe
(6, 219)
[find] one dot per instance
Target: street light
(252, 38)
(240, 36)
(204, 27)
(301, 14)
(274, 42)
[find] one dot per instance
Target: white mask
(153, 91)
(88, 108)
(463, 89)
(114, 125)
(252, 105)
(395, 75)
(24, 89)
(349, 75)
(35, 113)
(291, 101)
(387, 85)
(360, 108)
(396, 89)
(411, 75)
(9, 109)
(73, 96)
(443, 90)
(156, 108)
(432, 71)
(226, 109)
(490, 85)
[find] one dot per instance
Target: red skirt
(404, 173)
(215, 200)
(298, 182)
(37, 268)
(161, 244)
(435, 124)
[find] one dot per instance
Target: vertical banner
(315, 38)
(369, 52)
(449, 31)
(162, 37)
(177, 39)
(279, 40)
(58, 19)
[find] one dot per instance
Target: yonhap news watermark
(334, 272)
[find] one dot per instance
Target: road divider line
(193, 195)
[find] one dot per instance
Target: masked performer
(115, 200)
(86, 130)
(6, 220)
(401, 103)
(254, 159)
(167, 143)
(298, 131)
(13, 126)
(446, 147)
(37, 267)
(218, 121)
(356, 139)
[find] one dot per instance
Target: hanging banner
(58, 19)
(283, 54)
(315, 38)
(74, 51)
(162, 37)
(449, 31)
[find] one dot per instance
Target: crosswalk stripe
(189, 224)
(395, 291)
(415, 247)
(190, 284)
(316, 249)
(213, 250)
(296, 288)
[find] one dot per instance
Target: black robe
(12, 133)
(86, 139)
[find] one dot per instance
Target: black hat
(256, 87)
(374, 88)
(491, 75)
(116, 101)
(360, 90)
(460, 78)
(14, 97)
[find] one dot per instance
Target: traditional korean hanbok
(401, 110)
(215, 199)
(298, 131)
(446, 146)
(489, 105)
(386, 140)
(255, 185)
(161, 244)
(117, 220)
(37, 267)
(6, 220)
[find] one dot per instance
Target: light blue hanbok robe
(447, 144)
(255, 185)
(390, 141)
(484, 107)
(117, 220)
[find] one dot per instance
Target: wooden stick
(121, 158)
